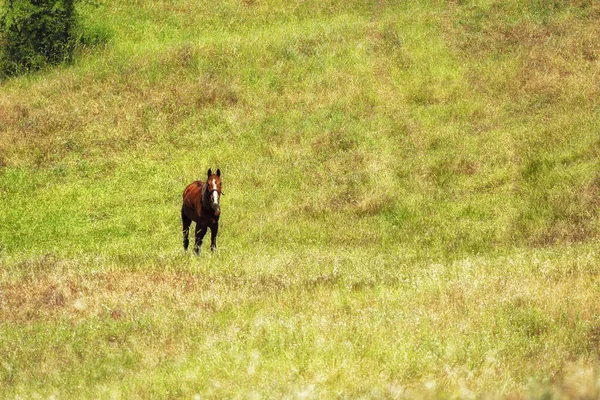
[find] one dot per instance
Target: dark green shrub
(36, 33)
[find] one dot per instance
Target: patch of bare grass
(440, 328)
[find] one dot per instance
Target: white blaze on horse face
(215, 194)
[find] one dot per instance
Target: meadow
(411, 203)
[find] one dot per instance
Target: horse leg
(186, 230)
(200, 232)
(213, 236)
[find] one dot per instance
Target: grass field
(411, 208)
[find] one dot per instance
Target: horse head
(213, 188)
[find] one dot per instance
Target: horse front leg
(200, 232)
(186, 230)
(213, 236)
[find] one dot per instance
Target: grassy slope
(411, 204)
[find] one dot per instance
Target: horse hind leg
(186, 230)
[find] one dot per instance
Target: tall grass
(410, 210)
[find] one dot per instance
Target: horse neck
(205, 197)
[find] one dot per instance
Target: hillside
(411, 208)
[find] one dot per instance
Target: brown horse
(201, 204)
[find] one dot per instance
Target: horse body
(201, 204)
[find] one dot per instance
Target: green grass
(410, 211)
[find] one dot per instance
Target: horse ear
(218, 172)
(209, 172)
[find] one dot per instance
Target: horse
(201, 204)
